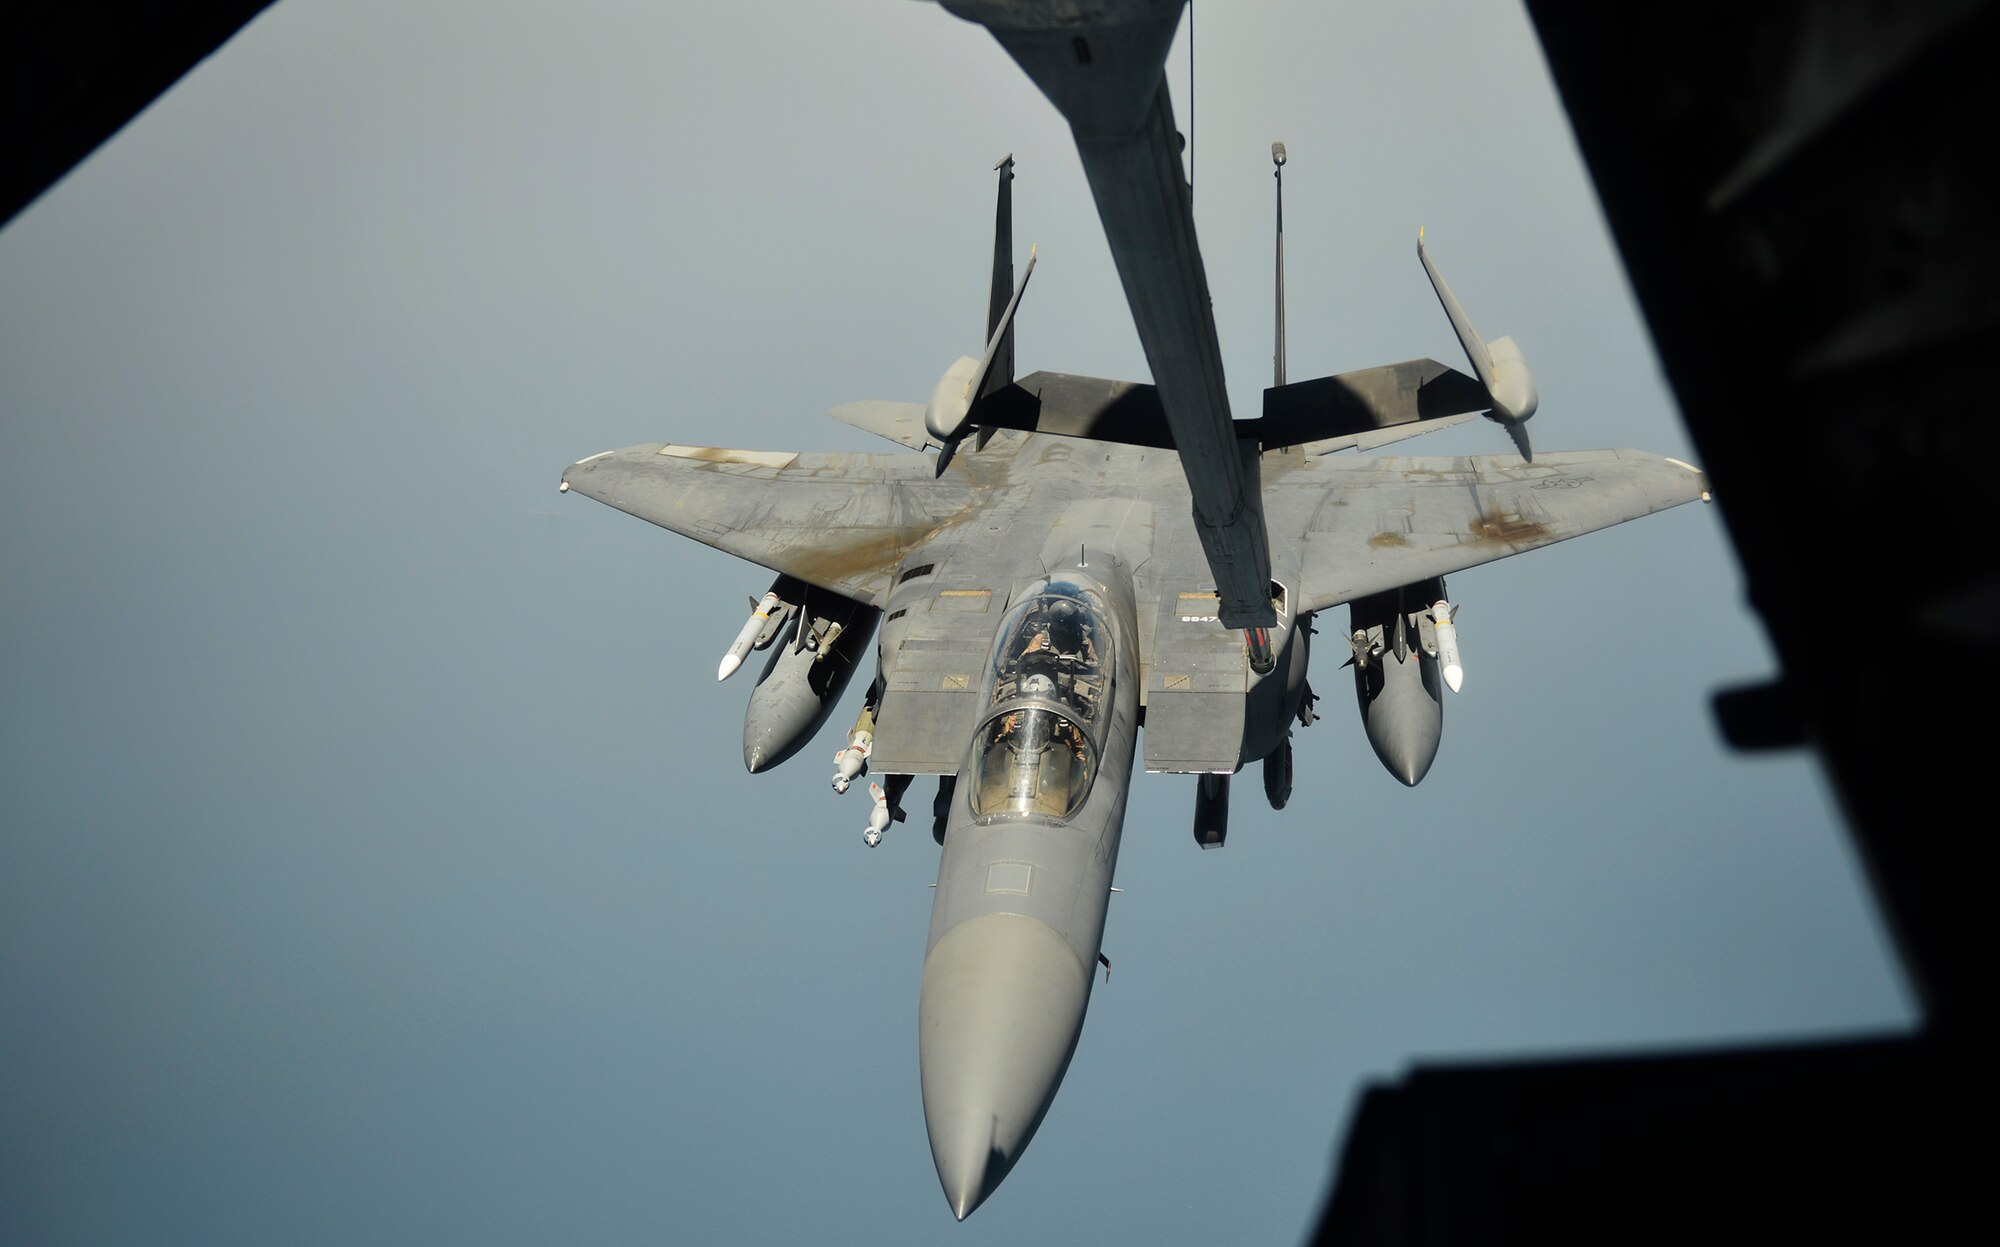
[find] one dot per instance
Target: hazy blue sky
(378, 862)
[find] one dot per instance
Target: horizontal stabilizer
(1371, 407)
(1366, 401)
(902, 423)
(1066, 405)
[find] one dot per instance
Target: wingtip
(1707, 492)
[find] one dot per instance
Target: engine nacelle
(951, 400)
(805, 677)
(1397, 681)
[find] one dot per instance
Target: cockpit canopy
(1031, 761)
(1054, 646)
(1051, 668)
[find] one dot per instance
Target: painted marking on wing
(1200, 607)
(963, 601)
(776, 459)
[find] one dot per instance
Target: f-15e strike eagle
(1058, 575)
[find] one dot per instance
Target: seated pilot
(1066, 638)
(1069, 735)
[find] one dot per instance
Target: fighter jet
(1033, 581)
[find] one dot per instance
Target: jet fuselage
(1030, 845)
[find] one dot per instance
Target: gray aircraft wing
(839, 521)
(1369, 525)
(1378, 438)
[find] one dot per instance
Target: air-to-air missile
(767, 616)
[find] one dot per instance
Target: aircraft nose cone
(1000, 1011)
(1404, 717)
(1407, 756)
(1409, 766)
(772, 732)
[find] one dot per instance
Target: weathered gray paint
(1347, 526)
(1094, 488)
(1001, 1011)
(1007, 972)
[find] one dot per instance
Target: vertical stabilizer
(1501, 370)
(949, 416)
(1002, 370)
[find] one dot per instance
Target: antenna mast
(1278, 172)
